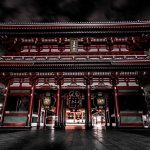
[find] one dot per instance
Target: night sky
(73, 10)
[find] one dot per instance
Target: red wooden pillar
(45, 116)
(143, 96)
(89, 115)
(31, 104)
(62, 113)
(39, 113)
(116, 105)
(57, 121)
(5, 102)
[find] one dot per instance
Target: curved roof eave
(117, 24)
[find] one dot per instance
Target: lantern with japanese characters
(46, 102)
(100, 101)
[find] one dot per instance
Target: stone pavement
(74, 140)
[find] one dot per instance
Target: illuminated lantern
(46, 102)
(100, 101)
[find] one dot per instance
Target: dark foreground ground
(130, 139)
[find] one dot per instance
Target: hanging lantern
(46, 102)
(100, 101)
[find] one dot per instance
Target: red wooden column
(31, 103)
(5, 101)
(62, 119)
(116, 105)
(89, 115)
(39, 113)
(115, 81)
(45, 116)
(57, 121)
(143, 96)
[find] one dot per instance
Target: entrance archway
(75, 104)
(41, 117)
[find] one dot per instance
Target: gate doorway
(75, 109)
(101, 103)
(41, 117)
(99, 119)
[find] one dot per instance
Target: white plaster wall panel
(54, 48)
(107, 84)
(67, 50)
(80, 49)
(101, 49)
(15, 84)
(65, 58)
(25, 50)
(122, 84)
(93, 49)
(39, 84)
(52, 58)
(80, 84)
(45, 50)
(132, 84)
(66, 84)
(123, 48)
(26, 85)
(94, 84)
(115, 48)
(33, 50)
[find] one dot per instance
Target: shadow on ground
(144, 132)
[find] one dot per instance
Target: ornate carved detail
(10, 43)
(109, 45)
(61, 44)
(88, 77)
(138, 43)
(33, 79)
(58, 78)
(142, 78)
(114, 81)
(5, 78)
(114, 78)
(46, 80)
(86, 43)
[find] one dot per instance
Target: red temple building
(75, 75)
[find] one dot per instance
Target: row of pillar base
(59, 125)
(62, 125)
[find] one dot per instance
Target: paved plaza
(75, 140)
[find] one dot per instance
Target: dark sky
(73, 10)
